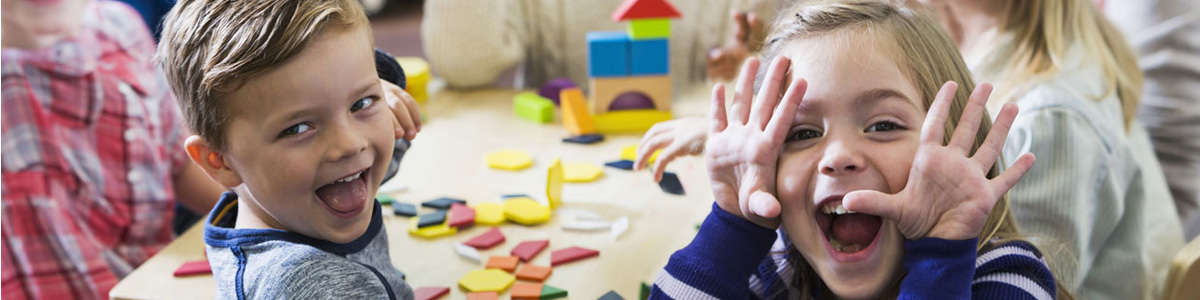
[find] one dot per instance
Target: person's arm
(719, 261)
(470, 43)
(947, 269)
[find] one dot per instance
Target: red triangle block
(461, 215)
(644, 9)
(528, 249)
(486, 240)
(431, 292)
(193, 268)
(571, 254)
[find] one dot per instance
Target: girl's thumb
(764, 204)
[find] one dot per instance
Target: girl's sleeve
(719, 261)
(946, 269)
(470, 43)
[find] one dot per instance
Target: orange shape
(506, 263)
(534, 273)
(483, 296)
(525, 290)
(575, 114)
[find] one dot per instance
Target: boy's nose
(841, 159)
(346, 143)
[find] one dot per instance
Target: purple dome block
(631, 100)
(554, 87)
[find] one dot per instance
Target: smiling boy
(289, 113)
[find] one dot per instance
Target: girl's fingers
(719, 120)
(1013, 174)
(648, 146)
(743, 93)
(768, 95)
(989, 151)
(968, 123)
(934, 129)
(414, 111)
(785, 113)
(665, 157)
(874, 203)
(763, 204)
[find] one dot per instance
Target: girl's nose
(841, 159)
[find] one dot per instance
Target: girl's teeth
(350, 178)
(838, 209)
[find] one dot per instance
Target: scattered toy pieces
(461, 215)
(528, 249)
(621, 164)
(670, 184)
(549, 292)
(430, 292)
(483, 296)
(431, 231)
(193, 268)
(468, 253)
(506, 196)
(487, 240)
(442, 203)
(611, 295)
(526, 291)
(587, 225)
(581, 171)
(489, 213)
(384, 199)
(585, 139)
(533, 273)
(525, 211)
(489, 280)
(553, 89)
(512, 160)
(431, 219)
(506, 263)
(645, 292)
(630, 153)
(571, 254)
(554, 183)
(620, 226)
(404, 209)
(530, 106)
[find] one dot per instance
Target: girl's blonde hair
(924, 52)
(1044, 29)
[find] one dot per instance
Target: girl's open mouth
(847, 232)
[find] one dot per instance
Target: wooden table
(447, 160)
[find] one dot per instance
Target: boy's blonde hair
(924, 52)
(209, 48)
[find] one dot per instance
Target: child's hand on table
(743, 147)
(679, 137)
(404, 108)
(948, 194)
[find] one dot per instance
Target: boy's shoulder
(287, 270)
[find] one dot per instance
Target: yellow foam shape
(416, 71)
(525, 211)
(630, 153)
(443, 229)
(489, 280)
(508, 159)
(575, 113)
(581, 171)
(554, 183)
(626, 121)
(488, 213)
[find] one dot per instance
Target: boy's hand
(948, 194)
(746, 36)
(743, 148)
(676, 138)
(404, 108)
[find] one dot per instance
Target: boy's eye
(802, 134)
(884, 126)
(362, 103)
(295, 129)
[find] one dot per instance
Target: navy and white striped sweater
(731, 258)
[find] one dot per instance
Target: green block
(649, 28)
(645, 292)
(533, 107)
(549, 292)
(384, 199)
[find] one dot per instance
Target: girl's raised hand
(948, 194)
(743, 146)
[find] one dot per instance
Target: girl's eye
(362, 103)
(295, 129)
(802, 134)
(884, 126)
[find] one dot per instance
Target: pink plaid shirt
(92, 138)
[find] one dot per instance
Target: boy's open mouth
(844, 230)
(345, 196)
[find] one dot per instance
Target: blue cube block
(608, 54)
(649, 57)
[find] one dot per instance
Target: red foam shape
(643, 9)
(193, 268)
(571, 254)
(431, 292)
(461, 215)
(528, 249)
(486, 240)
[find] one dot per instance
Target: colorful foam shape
(650, 28)
(525, 211)
(581, 171)
(575, 116)
(554, 183)
(489, 280)
(487, 240)
(468, 253)
(483, 296)
(431, 231)
(645, 292)
(619, 227)
(629, 152)
(532, 107)
(608, 54)
(404, 209)
(430, 292)
(508, 159)
(587, 225)
(534, 273)
(649, 57)
(190, 268)
(670, 184)
(526, 291)
(620, 164)
(553, 88)
(431, 219)
(384, 199)
(611, 295)
(416, 73)
(629, 121)
(506, 196)
(572, 254)
(489, 213)
(549, 292)
(642, 9)
(605, 90)
(442, 202)
(631, 100)
(586, 139)
(506, 263)
(461, 215)
(528, 249)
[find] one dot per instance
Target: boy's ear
(212, 162)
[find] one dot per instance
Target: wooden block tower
(630, 71)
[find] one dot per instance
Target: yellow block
(554, 183)
(488, 280)
(625, 121)
(416, 72)
(511, 160)
(431, 231)
(488, 213)
(630, 153)
(581, 171)
(575, 114)
(525, 211)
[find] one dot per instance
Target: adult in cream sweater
(471, 43)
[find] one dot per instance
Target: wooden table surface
(447, 160)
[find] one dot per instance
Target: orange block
(575, 114)
(534, 273)
(506, 263)
(530, 291)
(483, 296)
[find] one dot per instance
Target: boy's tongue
(852, 229)
(344, 196)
